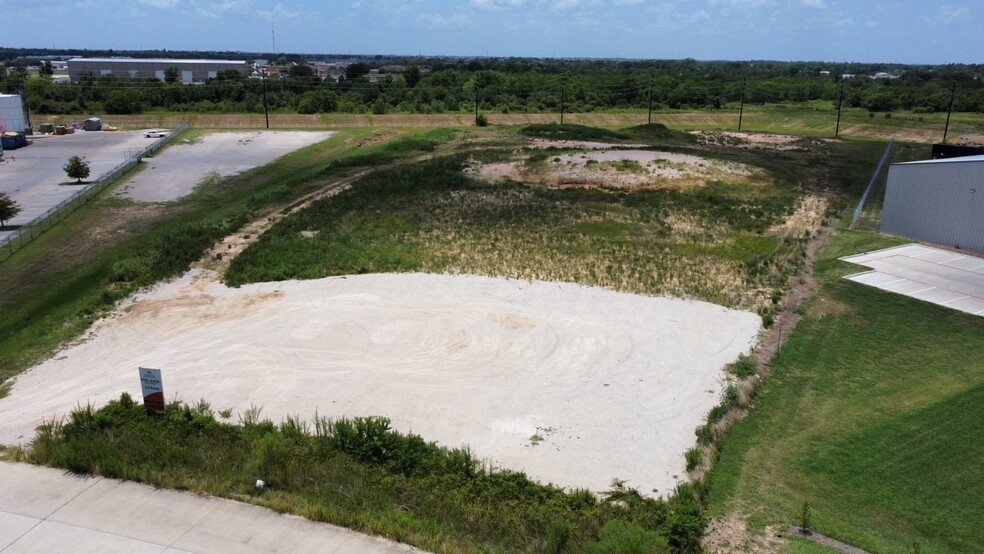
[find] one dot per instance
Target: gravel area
(573, 385)
(178, 169)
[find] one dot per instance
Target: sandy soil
(574, 385)
(543, 144)
(620, 170)
(763, 141)
(179, 168)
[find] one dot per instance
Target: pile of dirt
(620, 169)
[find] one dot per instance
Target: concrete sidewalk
(47, 510)
(930, 274)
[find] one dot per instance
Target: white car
(155, 133)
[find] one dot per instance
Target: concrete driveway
(47, 510)
(939, 276)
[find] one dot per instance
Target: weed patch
(361, 474)
(431, 217)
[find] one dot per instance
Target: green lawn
(871, 414)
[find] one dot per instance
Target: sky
(871, 31)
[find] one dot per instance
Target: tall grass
(361, 474)
(432, 217)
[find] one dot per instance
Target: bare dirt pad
(574, 385)
(617, 169)
(178, 169)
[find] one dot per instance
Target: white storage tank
(12, 116)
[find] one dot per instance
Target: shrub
(620, 537)
(804, 517)
(481, 120)
(694, 457)
(745, 366)
(558, 536)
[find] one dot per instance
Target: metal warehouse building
(13, 116)
(939, 201)
(189, 71)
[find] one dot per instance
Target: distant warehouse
(187, 71)
(938, 201)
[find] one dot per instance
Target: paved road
(47, 510)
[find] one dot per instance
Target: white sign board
(152, 388)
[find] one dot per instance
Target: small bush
(804, 517)
(694, 457)
(558, 537)
(481, 120)
(620, 537)
(745, 366)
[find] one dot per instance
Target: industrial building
(13, 114)
(938, 201)
(189, 71)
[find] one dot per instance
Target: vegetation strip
(360, 474)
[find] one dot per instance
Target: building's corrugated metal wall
(12, 116)
(942, 203)
(189, 71)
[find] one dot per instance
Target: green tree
(9, 208)
(77, 168)
(171, 74)
(356, 70)
(412, 76)
(47, 69)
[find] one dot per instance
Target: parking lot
(34, 176)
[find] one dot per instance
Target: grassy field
(715, 243)
(871, 414)
(814, 119)
(870, 393)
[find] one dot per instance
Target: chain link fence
(859, 210)
(33, 229)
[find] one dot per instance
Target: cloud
(224, 8)
(159, 3)
(819, 4)
(278, 12)
(947, 15)
(497, 4)
(444, 21)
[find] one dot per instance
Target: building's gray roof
(977, 158)
(156, 60)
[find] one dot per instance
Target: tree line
(514, 85)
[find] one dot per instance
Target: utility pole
(476, 102)
(953, 92)
(840, 103)
(266, 112)
(741, 109)
(650, 121)
(563, 97)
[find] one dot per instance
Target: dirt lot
(623, 169)
(179, 168)
(549, 378)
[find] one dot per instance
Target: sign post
(153, 390)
